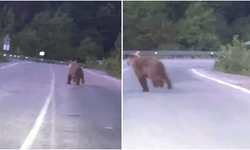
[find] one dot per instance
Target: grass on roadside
(111, 66)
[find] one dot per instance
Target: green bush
(91, 63)
(234, 58)
(113, 64)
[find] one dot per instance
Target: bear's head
(132, 58)
(137, 53)
(71, 63)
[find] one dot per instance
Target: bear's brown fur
(75, 73)
(145, 67)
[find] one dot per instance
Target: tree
(9, 21)
(87, 49)
(198, 27)
(29, 43)
(54, 31)
(58, 28)
(108, 24)
(147, 22)
(113, 63)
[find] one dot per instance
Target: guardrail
(39, 60)
(176, 54)
(102, 66)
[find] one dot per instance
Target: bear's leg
(143, 82)
(160, 83)
(154, 83)
(166, 78)
(69, 79)
(77, 80)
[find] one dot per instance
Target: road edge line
(221, 82)
(13, 64)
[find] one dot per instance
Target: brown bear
(75, 73)
(145, 67)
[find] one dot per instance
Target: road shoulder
(101, 73)
(239, 80)
(2, 64)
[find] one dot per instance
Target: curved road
(196, 113)
(39, 110)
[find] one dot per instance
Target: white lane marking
(221, 82)
(125, 69)
(8, 65)
(34, 131)
(13, 64)
(52, 134)
(108, 77)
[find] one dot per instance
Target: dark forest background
(64, 30)
(176, 25)
(81, 30)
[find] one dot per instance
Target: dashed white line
(34, 131)
(9, 65)
(222, 82)
(52, 134)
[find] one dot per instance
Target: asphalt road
(196, 113)
(39, 110)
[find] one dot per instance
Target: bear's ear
(70, 61)
(132, 56)
(75, 61)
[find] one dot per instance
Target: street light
(155, 52)
(42, 53)
(212, 54)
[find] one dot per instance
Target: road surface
(39, 110)
(196, 113)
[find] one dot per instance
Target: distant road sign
(6, 45)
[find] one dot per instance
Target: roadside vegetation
(82, 31)
(234, 58)
(191, 25)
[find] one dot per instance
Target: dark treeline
(64, 30)
(184, 25)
